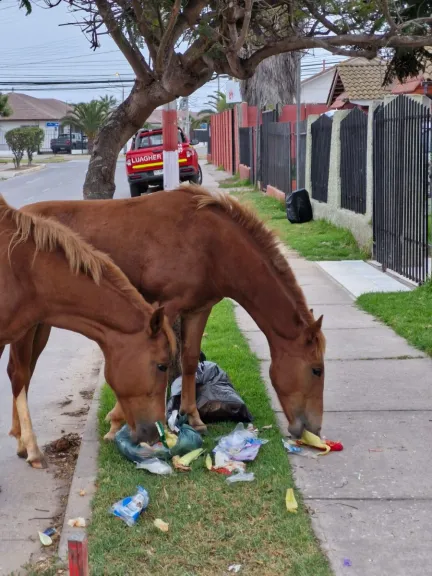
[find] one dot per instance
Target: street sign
(233, 92)
(52, 124)
(203, 126)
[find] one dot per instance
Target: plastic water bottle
(130, 508)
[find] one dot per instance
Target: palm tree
(217, 103)
(5, 109)
(110, 101)
(88, 117)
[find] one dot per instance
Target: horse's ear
(156, 321)
(313, 329)
(311, 311)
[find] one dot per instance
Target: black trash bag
(298, 207)
(217, 401)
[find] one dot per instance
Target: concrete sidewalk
(371, 503)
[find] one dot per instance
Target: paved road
(62, 181)
(68, 366)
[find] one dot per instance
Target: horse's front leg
(193, 326)
(22, 362)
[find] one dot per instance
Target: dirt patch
(63, 454)
(87, 394)
(75, 413)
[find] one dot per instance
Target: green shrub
(26, 139)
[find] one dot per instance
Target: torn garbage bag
(188, 439)
(217, 401)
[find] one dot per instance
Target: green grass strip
(408, 313)
(211, 524)
(316, 240)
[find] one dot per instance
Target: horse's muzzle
(146, 432)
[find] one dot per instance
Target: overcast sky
(38, 48)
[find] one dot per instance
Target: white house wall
(316, 90)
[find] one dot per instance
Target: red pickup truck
(144, 161)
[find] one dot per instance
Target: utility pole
(171, 177)
(298, 114)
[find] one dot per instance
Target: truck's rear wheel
(197, 179)
(137, 189)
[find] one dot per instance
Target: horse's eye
(162, 367)
(316, 371)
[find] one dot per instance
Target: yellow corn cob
(315, 441)
(188, 458)
(291, 502)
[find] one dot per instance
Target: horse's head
(137, 371)
(297, 374)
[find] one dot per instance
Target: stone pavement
(371, 503)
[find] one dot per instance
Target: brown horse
(49, 275)
(188, 249)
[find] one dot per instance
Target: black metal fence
(279, 156)
(268, 117)
(246, 143)
(301, 176)
(353, 138)
(321, 131)
(401, 187)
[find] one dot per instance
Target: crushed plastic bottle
(130, 508)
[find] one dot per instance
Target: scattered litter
(183, 463)
(291, 502)
(82, 492)
(347, 562)
(50, 532)
(130, 508)
(292, 448)
(235, 568)
(268, 427)
(216, 399)
(163, 526)
(77, 523)
(169, 445)
(172, 421)
(241, 444)
(45, 539)
(208, 462)
(155, 466)
(241, 477)
(326, 446)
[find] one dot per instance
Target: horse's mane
(49, 235)
(266, 240)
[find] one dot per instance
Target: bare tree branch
(166, 47)
(149, 37)
(388, 16)
(245, 26)
(135, 59)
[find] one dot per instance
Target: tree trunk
(120, 126)
(273, 83)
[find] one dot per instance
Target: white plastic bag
(155, 466)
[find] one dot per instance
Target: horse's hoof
(22, 453)
(199, 427)
(109, 436)
(38, 463)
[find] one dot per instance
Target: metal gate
(401, 187)
(268, 117)
(246, 144)
(279, 156)
(321, 142)
(353, 161)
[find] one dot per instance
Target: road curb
(14, 174)
(85, 474)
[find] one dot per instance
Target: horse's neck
(278, 309)
(77, 303)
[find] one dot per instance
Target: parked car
(144, 161)
(68, 142)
